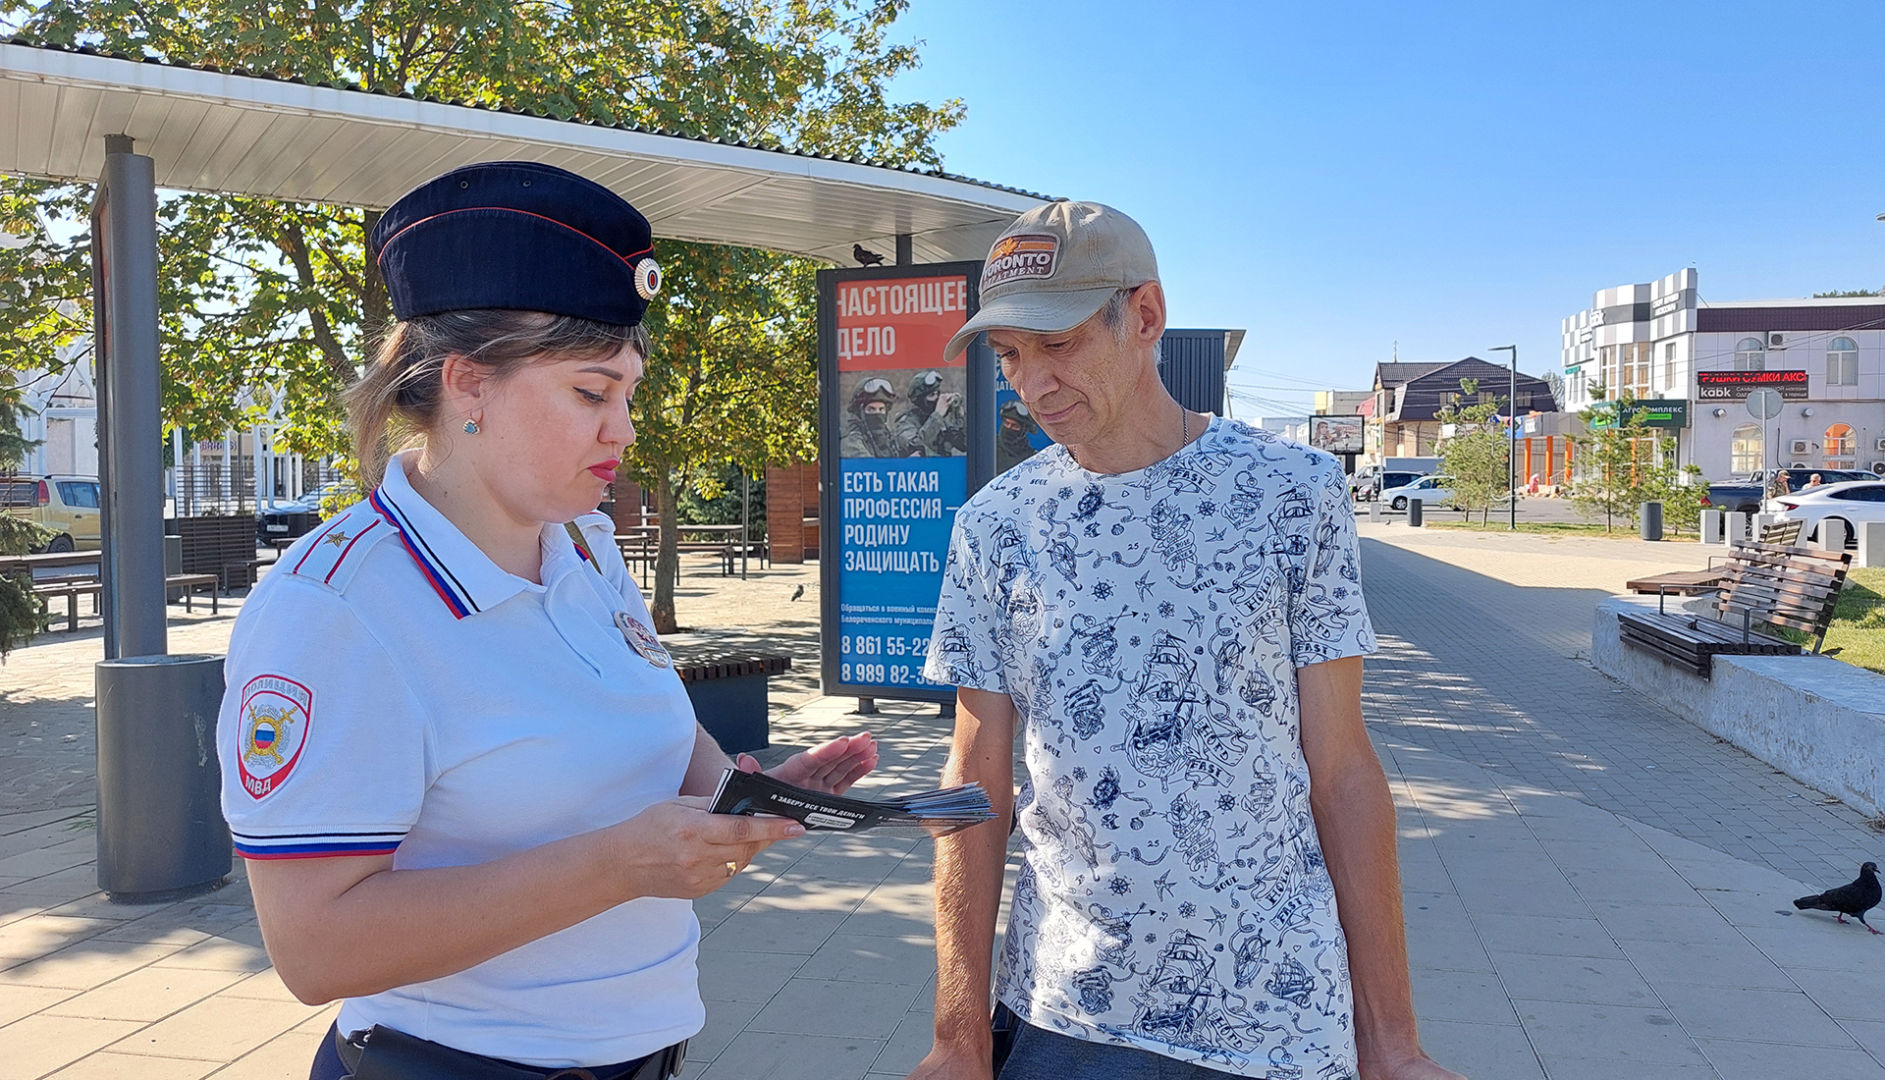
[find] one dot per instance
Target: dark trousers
(328, 1066)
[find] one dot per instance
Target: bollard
(1374, 510)
(1833, 534)
(1737, 530)
(1649, 520)
(1413, 511)
(1711, 526)
(1871, 544)
(160, 823)
(1762, 521)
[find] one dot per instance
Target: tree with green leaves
(1614, 477)
(20, 610)
(279, 299)
(737, 382)
(1477, 456)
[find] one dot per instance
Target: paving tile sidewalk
(1559, 929)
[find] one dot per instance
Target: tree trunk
(667, 554)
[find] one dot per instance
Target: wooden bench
(1763, 585)
(729, 695)
(1785, 532)
(639, 551)
(187, 584)
(1699, 582)
(71, 589)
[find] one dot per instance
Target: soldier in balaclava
(1011, 440)
(867, 432)
(934, 422)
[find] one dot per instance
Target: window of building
(1750, 355)
(1840, 446)
(1669, 365)
(1745, 449)
(1842, 362)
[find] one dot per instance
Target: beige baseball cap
(1055, 267)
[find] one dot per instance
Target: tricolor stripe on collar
(456, 596)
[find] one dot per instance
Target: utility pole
(1511, 447)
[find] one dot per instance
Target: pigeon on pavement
(798, 592)
(1855, 899)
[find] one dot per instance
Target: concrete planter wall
(1819, 720)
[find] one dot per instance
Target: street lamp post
(1511, 447)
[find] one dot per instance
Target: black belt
(383, 1053)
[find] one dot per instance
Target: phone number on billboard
(906, 674)
(876, 645)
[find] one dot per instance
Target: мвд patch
(275, 716)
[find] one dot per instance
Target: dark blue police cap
(519, 235)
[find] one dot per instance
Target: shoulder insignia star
(337, 538)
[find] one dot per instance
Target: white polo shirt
(390, 689)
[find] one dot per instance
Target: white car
(1430, 490)
(1851, 502)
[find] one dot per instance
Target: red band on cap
(628, 259)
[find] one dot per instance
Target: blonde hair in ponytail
(395, 403)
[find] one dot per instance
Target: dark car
(285, 521)
(1747, 495)
(1372, 486)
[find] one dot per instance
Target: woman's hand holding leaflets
(831, 767)
(678, 849)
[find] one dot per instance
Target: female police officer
(454, 752)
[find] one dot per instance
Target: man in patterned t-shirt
(1168, 607)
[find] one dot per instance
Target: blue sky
(1338, 177)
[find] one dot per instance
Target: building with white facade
(1825, 357)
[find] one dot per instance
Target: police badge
(642, 640)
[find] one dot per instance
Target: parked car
(68, 505)
(1371, 485)
(288, 520)
(1850, 503)
(1748, 494)
(1430, 490)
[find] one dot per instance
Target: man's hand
(953, 1065)
(831, 768)
(1416, 1066)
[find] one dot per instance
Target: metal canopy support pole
(134, 481)
(905, 250)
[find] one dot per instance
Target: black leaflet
(941, 812)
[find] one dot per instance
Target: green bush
(21, 613)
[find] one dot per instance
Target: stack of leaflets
(941, 812)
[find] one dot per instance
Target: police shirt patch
(1024, 255)
(643, 640)
(275, 716)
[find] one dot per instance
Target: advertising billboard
(1736, 385)
(900, 421)
(1336, 434)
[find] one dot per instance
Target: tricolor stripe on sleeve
(315, 845)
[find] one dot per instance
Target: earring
(471, 427)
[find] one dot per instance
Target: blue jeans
(1040, 1054)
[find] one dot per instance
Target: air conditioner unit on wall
(1799, 446)
(1776, 341)
(1879, 467)
(1798, 465)
(1879, 446)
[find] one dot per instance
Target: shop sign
(1737, 385)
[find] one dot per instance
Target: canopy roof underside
(250, 135)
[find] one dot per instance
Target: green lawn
(1858, 630)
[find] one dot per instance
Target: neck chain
(1184, 427)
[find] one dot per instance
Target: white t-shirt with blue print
(1148, 626)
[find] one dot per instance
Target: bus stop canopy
(283, 139)
(134, 126)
